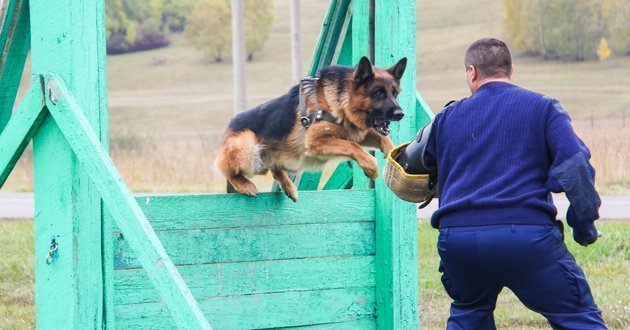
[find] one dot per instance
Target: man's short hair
(490, 57)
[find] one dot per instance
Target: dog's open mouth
(381, 125)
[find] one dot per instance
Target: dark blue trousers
(531, 260)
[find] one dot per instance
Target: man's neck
(492, 79)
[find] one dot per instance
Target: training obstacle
(344, 257)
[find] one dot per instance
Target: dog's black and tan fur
(271, 136)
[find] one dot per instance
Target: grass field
(168, 107)
(606, 265)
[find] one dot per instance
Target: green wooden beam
(14, 44)
(362, 43)
(20, 131)
(120, 202)
(341, 177)
(68, 38)
(396, 221)
(423, 112)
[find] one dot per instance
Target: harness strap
(306, 89)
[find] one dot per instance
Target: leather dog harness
(307, 89)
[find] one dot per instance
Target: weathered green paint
(18, 134)
(341, 178)
(67, 37)
(349, 325)
(268, 209)
(361, 45)
(396, 221)
(14, 44)
(263, 310)
(423, 112)
(123, 207)
(257, 243)
(244, 278)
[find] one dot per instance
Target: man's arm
(571, 173)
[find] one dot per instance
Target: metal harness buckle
(306, 122)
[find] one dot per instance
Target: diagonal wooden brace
(20, 130)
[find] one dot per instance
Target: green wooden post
(14, 44)
(396, 221)
(362, 43)
(68, 38)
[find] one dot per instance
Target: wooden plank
(187, 247)
(308, 180)
(343, 50)
(361, 45)
(268, 209)
(263, 311)
(321, 40)
(344, 57)
(231, 279)
(396, 249)
(15, 40)
(123, 207)
(423, 112)
(349, 325)
(335, 32)
(68, 38)
(341, 178)
(20, 131)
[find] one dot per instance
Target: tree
(603, 52)
(133, 25)
(616, 15)
(208, 28)
(258, 22)
(567, 29)
(175, 13)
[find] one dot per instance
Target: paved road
(20, 206)
(613, 207)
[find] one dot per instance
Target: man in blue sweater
(499, 154)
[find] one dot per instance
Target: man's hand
(585, 235)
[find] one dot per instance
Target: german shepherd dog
(342, 110)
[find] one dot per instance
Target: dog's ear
(363, 73)
(398, 69)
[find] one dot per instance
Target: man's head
(487, 60)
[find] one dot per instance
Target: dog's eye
(379, 94)
(395, 93)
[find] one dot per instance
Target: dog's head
(378, 90)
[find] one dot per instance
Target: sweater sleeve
(429, 155)
(570, 171)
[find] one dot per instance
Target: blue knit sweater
(499, 154)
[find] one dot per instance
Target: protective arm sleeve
(571, 172)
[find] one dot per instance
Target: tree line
(135, 25)
(569, 29)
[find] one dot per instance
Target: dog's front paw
(370, 167)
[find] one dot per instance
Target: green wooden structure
(344, 257)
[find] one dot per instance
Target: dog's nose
(398, 114)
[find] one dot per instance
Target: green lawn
(606, 264)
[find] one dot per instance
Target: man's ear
(363, 73)
(398, 69)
